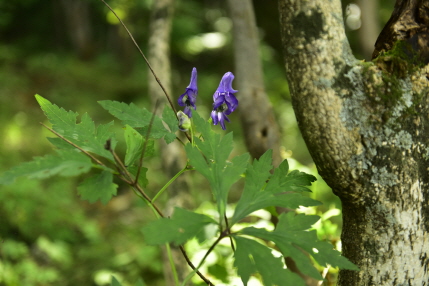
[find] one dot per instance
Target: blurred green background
(74, 53)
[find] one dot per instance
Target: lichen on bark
(366, 128)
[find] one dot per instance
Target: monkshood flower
(224, 100)
(189, 98)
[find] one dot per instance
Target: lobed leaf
(210, 158)
(291, 237)
(251, 257)
(138, 118)
(67, 163)
(282, 190)
(84, 134)
(182, 226)
(135, 143)
(98, 187)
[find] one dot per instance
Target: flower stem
(172, 265)
(170, 182)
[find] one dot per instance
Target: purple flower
(224, 100)
(189, 98)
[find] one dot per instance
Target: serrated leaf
(65, 163)
(282, 190)
(210, 158)
(98, 187)
(84, 134)
(135, 143)
(251, 257)
(115, 282)
(291, 237)
(182, 226)
(171, 120)
(138, 118)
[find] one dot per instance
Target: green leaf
(115, 282)
(182, 226)
(67, 163)
(99, 187)
(291, 237)
(170, 119)
(282, 190)
(136, 117)
(135, 143)
(143, 181)
(251, 257)
(84, 134)
(213, 163)
(140, 282)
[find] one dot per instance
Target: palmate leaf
(84, 134)
(99, 187)
(282, 190)
(251, 257)
(291, 235)
(182, 226)
(67, 163)
(140, 119)
(210, 158)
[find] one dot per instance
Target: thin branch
(193, 266)
(229, 232)
(146, 60)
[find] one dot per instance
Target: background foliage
(47, 234)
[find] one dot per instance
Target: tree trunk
(366, 130)
(173, 158)
(261, 131)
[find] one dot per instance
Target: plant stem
(229, 232)
(170, 182)
(172, 265)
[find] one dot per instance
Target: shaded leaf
(135, 143)
(182, 226)
(99, 187)
(251, 257)
(67, 163)
(291, 237)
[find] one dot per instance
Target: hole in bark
(264, 132)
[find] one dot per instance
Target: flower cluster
(224, 100)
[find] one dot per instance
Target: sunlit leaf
(282, 190)
(83, 134)
(251, 257)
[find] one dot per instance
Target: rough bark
(261, 131)
(172, 156)
(366, 130)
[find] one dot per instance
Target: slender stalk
(170, 182)
(146, 60)
(229, 232)
(172, 265)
